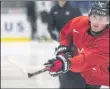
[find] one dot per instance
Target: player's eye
(94, 16)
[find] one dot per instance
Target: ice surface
(27, 55)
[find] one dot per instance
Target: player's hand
(61, 64)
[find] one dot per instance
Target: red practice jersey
(91, 52)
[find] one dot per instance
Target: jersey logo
(74, 30)
(80, 50)
(67, 13)
(94, 69)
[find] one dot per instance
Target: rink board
(15, 39)
(15, 27)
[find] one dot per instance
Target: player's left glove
(61, 64)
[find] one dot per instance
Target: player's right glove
(61, 49)
(60, 64)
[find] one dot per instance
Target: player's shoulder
(80, 19)
(81, 23)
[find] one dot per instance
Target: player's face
(98, 22)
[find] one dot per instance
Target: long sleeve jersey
(91, 52)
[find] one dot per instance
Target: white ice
(26, 54)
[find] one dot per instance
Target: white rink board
(15, 26)
(27, 54)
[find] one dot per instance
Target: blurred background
(28, 39)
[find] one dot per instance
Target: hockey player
(90, 35)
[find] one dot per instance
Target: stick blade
(18, 65)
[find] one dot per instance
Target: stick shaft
(37, 72)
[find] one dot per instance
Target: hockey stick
(41, 70)
(17, 65)
(30, 71)
(37, 72)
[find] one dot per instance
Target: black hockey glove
(61, 49)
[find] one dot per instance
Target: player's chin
(95, 29)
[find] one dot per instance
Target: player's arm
(91, 57)
(66, 33)
(66, 36)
